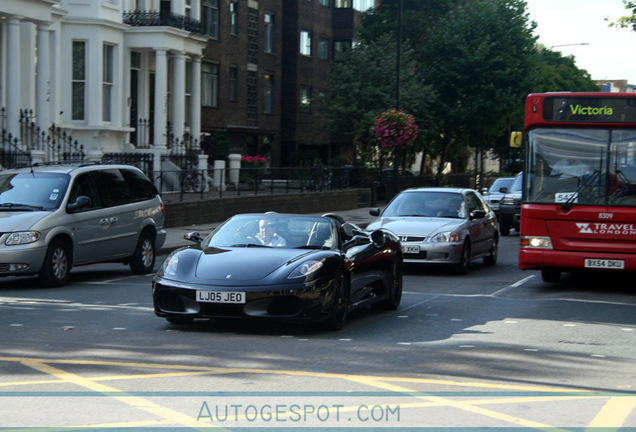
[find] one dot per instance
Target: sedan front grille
(410, 238)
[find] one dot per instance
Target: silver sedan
(441, 226)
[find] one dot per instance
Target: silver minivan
(54, 217)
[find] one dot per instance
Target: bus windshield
(581, 166)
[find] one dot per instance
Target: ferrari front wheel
(339, 304)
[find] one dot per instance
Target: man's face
(266, 229)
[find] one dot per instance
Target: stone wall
(217, 209)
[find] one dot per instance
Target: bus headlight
(535, 242)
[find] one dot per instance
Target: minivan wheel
(143, 260)
(57, 264)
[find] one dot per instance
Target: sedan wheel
(464, 260)
(491, 259)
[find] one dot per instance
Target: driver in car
(267, 234)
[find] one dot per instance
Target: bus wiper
(567, 205)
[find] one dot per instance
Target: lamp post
(564, 45)
(397, 90)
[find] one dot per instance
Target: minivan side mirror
(80, 203)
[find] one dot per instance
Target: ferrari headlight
(170, 265)
(23, 237)
(305, 269)
(445, 237)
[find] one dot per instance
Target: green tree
(627, 21)
(362, 84)
(479, 57)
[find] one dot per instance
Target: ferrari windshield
(581, 166)
(274, 230)
(32, 191)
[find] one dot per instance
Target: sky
(610, 53)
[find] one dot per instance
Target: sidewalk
(174, 237)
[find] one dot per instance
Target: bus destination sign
(590, 109)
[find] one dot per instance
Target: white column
(195, 101)
(13, 76)
(178, 97)
(43, 84)
(161, 97)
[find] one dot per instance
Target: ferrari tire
(143, 260)
(395, 289)
(57, 264)
(340, 304)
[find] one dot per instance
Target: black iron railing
(155, 18)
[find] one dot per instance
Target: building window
(78, 81)
(305, 98)
(210, 85)
(107, 82)
(233, 83)
(210, 18)
(339, 47)
(323, 48)
(342, 4)
(324, 3)
(305, 42)
(268, 94)
(269, 32)
(363, 5)
(234, 27)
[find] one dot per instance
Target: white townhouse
(117, 75)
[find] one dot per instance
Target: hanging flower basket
(395, 129)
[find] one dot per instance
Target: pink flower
(395, 128)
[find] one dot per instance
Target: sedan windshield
(582, 166)
(32, 191)
(427, 204)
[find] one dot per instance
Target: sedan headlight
(305, 269)
(508, 200)
(20, 238)
(445, 237)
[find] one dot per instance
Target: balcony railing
(154, 18)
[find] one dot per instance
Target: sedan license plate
(410, 249)
(233, 297)
(604, 263)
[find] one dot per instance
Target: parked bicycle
(192, 180)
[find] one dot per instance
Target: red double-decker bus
(578, 208)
